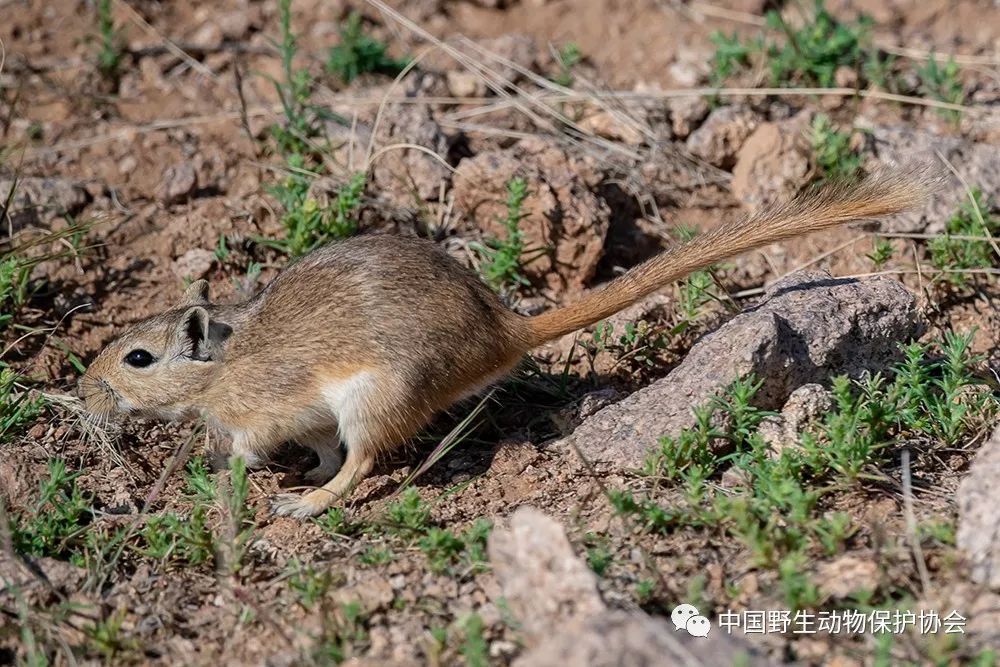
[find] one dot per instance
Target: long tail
(879, 194)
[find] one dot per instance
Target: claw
(294, 505)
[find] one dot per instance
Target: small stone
(608, 126)
(773, 163)
(465, 84)
(127, 165)
(234, 25)
(847, 575)
(178, 184)
(721, 136)
(194, 264)
(686, 113)
(208, 36)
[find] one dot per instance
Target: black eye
(139, 358)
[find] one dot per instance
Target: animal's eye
(139, 358)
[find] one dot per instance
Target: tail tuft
(883, 192)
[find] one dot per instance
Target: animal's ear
(196, 294)
(202, 336)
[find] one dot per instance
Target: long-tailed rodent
(362, 341)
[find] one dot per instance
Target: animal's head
(159, 366)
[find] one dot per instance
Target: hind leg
(368, 429)
(326, 444)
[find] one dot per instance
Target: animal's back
(395, 302)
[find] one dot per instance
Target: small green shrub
(973, 218)
(358, 53)
(109, 55)
(835, 158)
(502, 260)
(56, 525)
(307, 223)
(942, 82)
(808, 56)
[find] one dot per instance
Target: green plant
(107, 637)
(309, 224)
(502, 260)
(881, 253)
(335, 523)
(930, 396)
(302, 117)
(835, 158)
(408, 515)
(474, 649)
(14, 287)
(973, 218)
(176, 538)
(109, 55)
(638, 344)
(308, 584)
(18, 407)
(358, 53)
(568, 57)
(444, 549)
(808, 55)
(376, 556)
(644, 590)
(343, 630)
(694, 291)
(56, 525)
(942, 82)
(731, 55)
(599, 556)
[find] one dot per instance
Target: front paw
(296, 506)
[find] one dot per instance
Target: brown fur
(364, 340)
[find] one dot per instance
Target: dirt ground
(196, 96)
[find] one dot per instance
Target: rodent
(364, 340)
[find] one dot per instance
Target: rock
(554, 597)
(722, 134)
(518, 49)
(805, 405)
(462, 83)
(41, 200)
(807, 328)
(404, 173)
(612, 126)
(542, 579)
(562, 214)
(847, 575)
(234, 25)
(208, 36)
(773, 163)
(194, 264)
(686, 113)
(178, 184)
(978, 532)
(622, 638)
(978, 164)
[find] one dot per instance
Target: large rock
(554, 596)
(977, 163)
(807, 328)
(978, 532)
(615, 638)
(561, 213)
(41, 200)
(542, 579)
